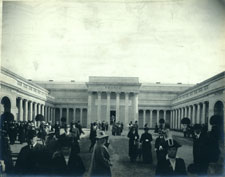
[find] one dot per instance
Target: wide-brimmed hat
(170, 143)
(101, 134)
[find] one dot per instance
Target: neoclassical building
(103, 97)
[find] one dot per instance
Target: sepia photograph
(112, 88)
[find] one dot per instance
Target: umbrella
(185, 120)
(7, 116)
(63, 119)
(161, 121)
(39, 117)
(215, 120)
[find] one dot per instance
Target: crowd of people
(58, 152)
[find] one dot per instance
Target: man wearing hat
(172, 165)
(64, 161)
(31, 157)
(101, 165)
(146, 139)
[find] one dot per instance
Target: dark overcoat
(146, 139)
(164, 168)
(30, 160)
(59, 167)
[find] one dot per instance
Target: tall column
(135, 106)
(89, 109)
(81, 116)
(157, 117)
(26, 110)
(126, 108)
(30, 110)
(174, 119)
(99, 107)
(67, 116)
(198, 113)
(74, 115)
(193, 115)
(117, 106)
(46, 113)
(43, 110)
(189, 112)
(108, 108)
(39, 108)
(203, 113)
(151, 118)
(182, 113)
(21, 110)
(179, 117)
(164, 115)
(60, 114)
(171, 119)
(35, 110)
(144, 117)
(211, 113)
(185, 111)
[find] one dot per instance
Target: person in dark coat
(93, 134)
(22, 133)
(56, 127)
(200, 150)
(172, 165)
(64, 162)
(160, 147)
(31, 157)
(6, 163)
(145, 140)
(133, 143)
(100, 162)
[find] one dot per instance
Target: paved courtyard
(122, 167)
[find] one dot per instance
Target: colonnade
(74, 116)
(196, 112)
(151, 122)
(28, 109)
(117, 105)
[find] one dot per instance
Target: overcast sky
(168, 41)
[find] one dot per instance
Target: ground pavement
(122, 167)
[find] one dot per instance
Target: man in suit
(31, 158)
(66, 162)
(172, 165)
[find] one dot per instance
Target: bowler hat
(101, 134)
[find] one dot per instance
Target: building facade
(100, 98)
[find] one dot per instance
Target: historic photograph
(112, 88)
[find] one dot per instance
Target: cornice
(199, 96)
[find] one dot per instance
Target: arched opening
(6, 104)
(219, 109)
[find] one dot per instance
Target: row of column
(108, 106)
(195, 112)
(29, 110)
(151, 116)
(74, 114)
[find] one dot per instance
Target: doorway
(112, 117)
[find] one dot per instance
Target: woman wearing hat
(146, 139)
(101, 165)
(172, 165)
